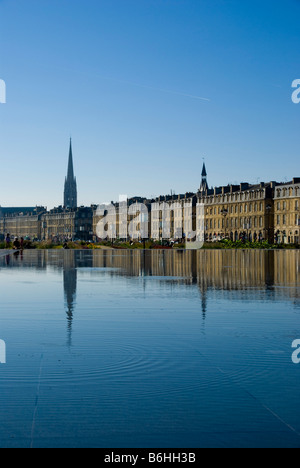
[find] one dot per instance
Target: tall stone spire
(70, 164)
(70, 193)
(204, 185)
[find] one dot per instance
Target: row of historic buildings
(266, 211)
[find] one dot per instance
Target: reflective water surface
(150, 349)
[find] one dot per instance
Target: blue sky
(124, 78)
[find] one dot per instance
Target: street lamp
(298, 216)
(224, 213)
(268, 209)
(247, 226)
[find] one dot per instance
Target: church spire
(70, 193)
(204, 185)
(70, 164)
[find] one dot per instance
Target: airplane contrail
(139, 85)
(162, 90)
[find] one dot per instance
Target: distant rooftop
(5, 211)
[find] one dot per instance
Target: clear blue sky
(124, 78)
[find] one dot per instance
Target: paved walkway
(3, 253)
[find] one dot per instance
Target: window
(278, 206)
(278, 219)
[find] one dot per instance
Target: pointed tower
(204, 185)
(70, 193)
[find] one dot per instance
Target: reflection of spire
(204, 304)
(70, 287)
(201, 280)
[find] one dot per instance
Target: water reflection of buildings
(236, 271)
(228, 270)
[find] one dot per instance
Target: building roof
(6, 211)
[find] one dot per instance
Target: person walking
(8, 241)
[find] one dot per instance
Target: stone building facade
(239, 212)
(287, 212)
(63, 224)
(173, 217)
(58, 225)
(21, 222)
